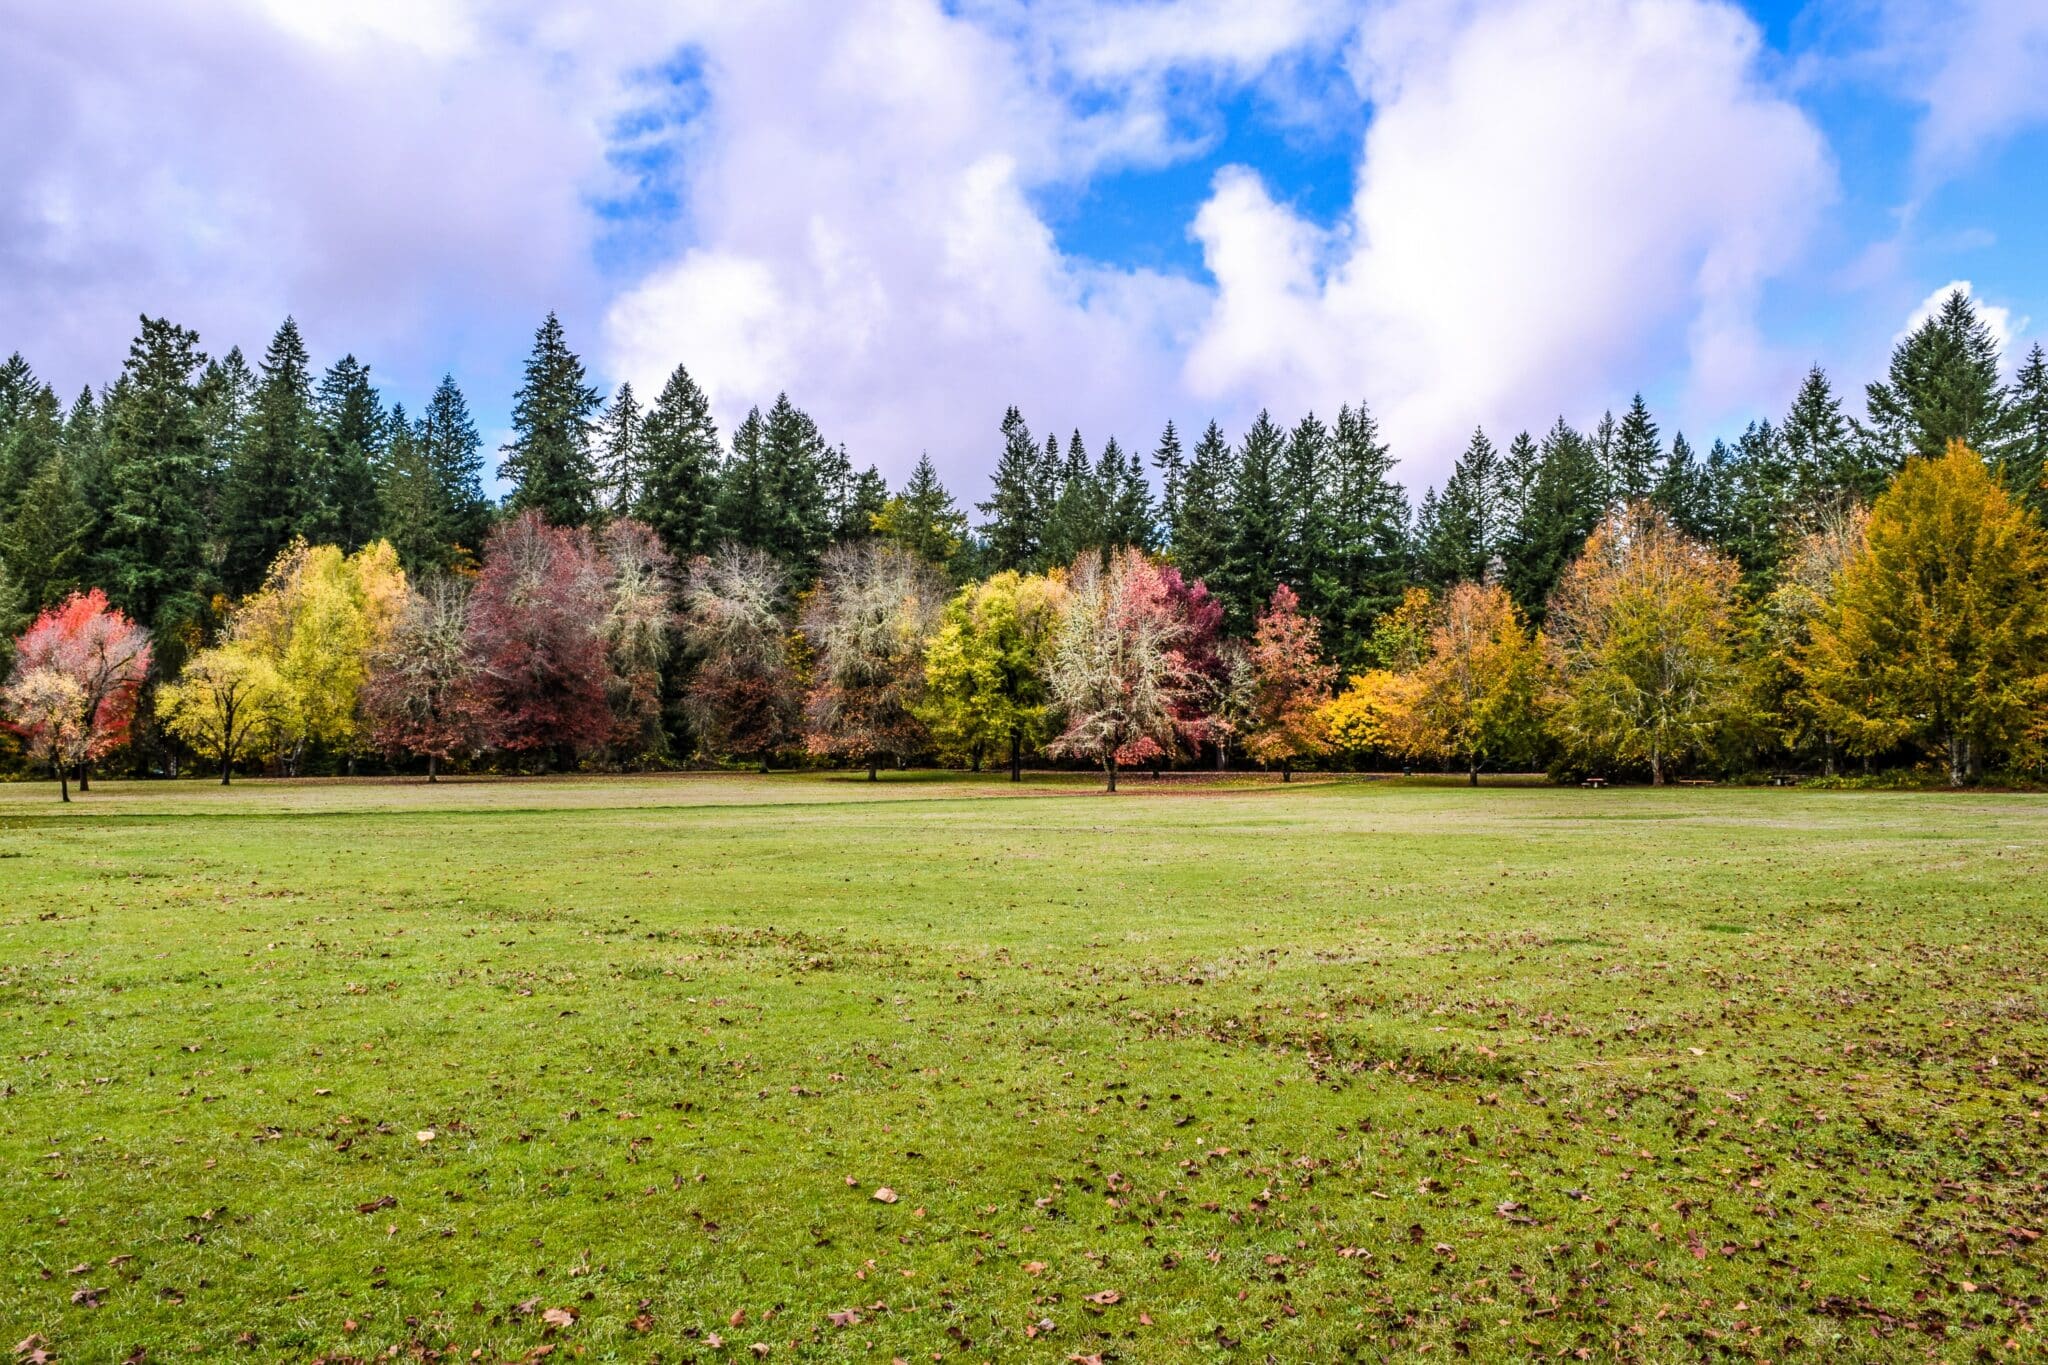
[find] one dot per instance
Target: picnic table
(1594, 782)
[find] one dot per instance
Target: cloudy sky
(912, 213)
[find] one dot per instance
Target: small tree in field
(639, 630)
(742, 698)
(102, 658)
(1938, 631)
(984, 669)
(1118, 670)
(1642, 630)
(424, 692)
(1293, 684)
(222, 705)
(535, 620)
(1475, 696)
(1370, 716)
(867, 623)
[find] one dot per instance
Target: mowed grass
(1255, 1072)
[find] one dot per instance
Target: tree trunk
(227, 767)
(85, 777)
(1961, 761)
(766, 758)
(1286, 770)
(63, 785)
(976, 756)
(1016, 756)
(1222, 755)
(430, 769)
(1109, 766)
(1656, 770)
(1474, 772)
(871, 771)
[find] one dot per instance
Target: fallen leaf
(424, 1136)
(559, 1317)
(1034, 1267)
(382, 1201)
(1105, 1298)
(885, 1195)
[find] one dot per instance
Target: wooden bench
(1697, 782)
(1594, 782)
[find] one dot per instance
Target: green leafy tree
(152, 552)
(548, 461)
(1942, 386)
(1475, 692)
(922, 518)
(453, 451)
(679, 449)
(1014, 532)
(272, 490)
(985, 666)
(1938, 632)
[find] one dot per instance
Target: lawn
(711, 1068)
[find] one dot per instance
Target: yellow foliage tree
(1781, 704)
(316, 621)
(1370, 715)
(1475, 697)
(1938, 633)
(222, 704)
(1641, 635)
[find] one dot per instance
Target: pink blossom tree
(1119, 675)
(78, 670)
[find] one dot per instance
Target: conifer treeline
(176, 486)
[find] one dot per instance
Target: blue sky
(913, 213)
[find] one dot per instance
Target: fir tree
(1014, 533)
(1828, 464)
(1075, 521)
(1566, 496)
(741, 505)
(2026, 460)
(1637, 455)
(1172, 465)
(679, 453)
(409, 498)
(18, 384)
(352, 432)
(1457, 538)
(1760, 519)
(1602, 443)
(923, 518)
(1684, 494)
(794, 460)
(268, 494)
(621, 453)
(1367, 569)
(43, 545)
(1126, 499)
(1251, 565)
(1942, 386)
(1305, 468)
(1201, 532)
(453, 453)
(548, 461)
(34, 436)
(853, 497)
(150, 557)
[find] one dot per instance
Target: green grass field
(617, 1069)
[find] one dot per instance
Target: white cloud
(1558, 200)
(2005, 328)
(1978, 67)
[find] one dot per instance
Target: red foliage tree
(104, 658)
(424, 694)
(535, 625)
(1293, 682)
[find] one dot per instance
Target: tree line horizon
(218, 513)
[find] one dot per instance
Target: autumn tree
(221, 704)
(1370, 716)
(1293, 682)
(866, 624)
(1780, 701)
(638, 630)
(1641, 631)
(742, 696)
(1474, 698)
(317, 620)
(984, 668)
(423, 695)
(1119, 666)
(1938, 635)
(86, 656)
(535, 624)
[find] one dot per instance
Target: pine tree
(548, 461)
(227, 400)
(1367, 571)
(1637, 455)
(679, 453)
(1172, 465)
(1251, 566)
(34, 436)
(1075, 522)
(2026, 459)
(267, 494)
(1566, 496)
(18, 384)
(1684, 494)
(1126, 499)
(43, 544)
(1201, 533)
(621, 453)
(1305, 469)
(1828, 464)
(742, 501)
(793, 462)
(408, 497)
(923, 518)
(1760, 522)
(150, 557)
(1461, 530)
(1014, 533)
(453, 452)
(852, 497)
(1602, 443)
(1942, 386)
(352, 431)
